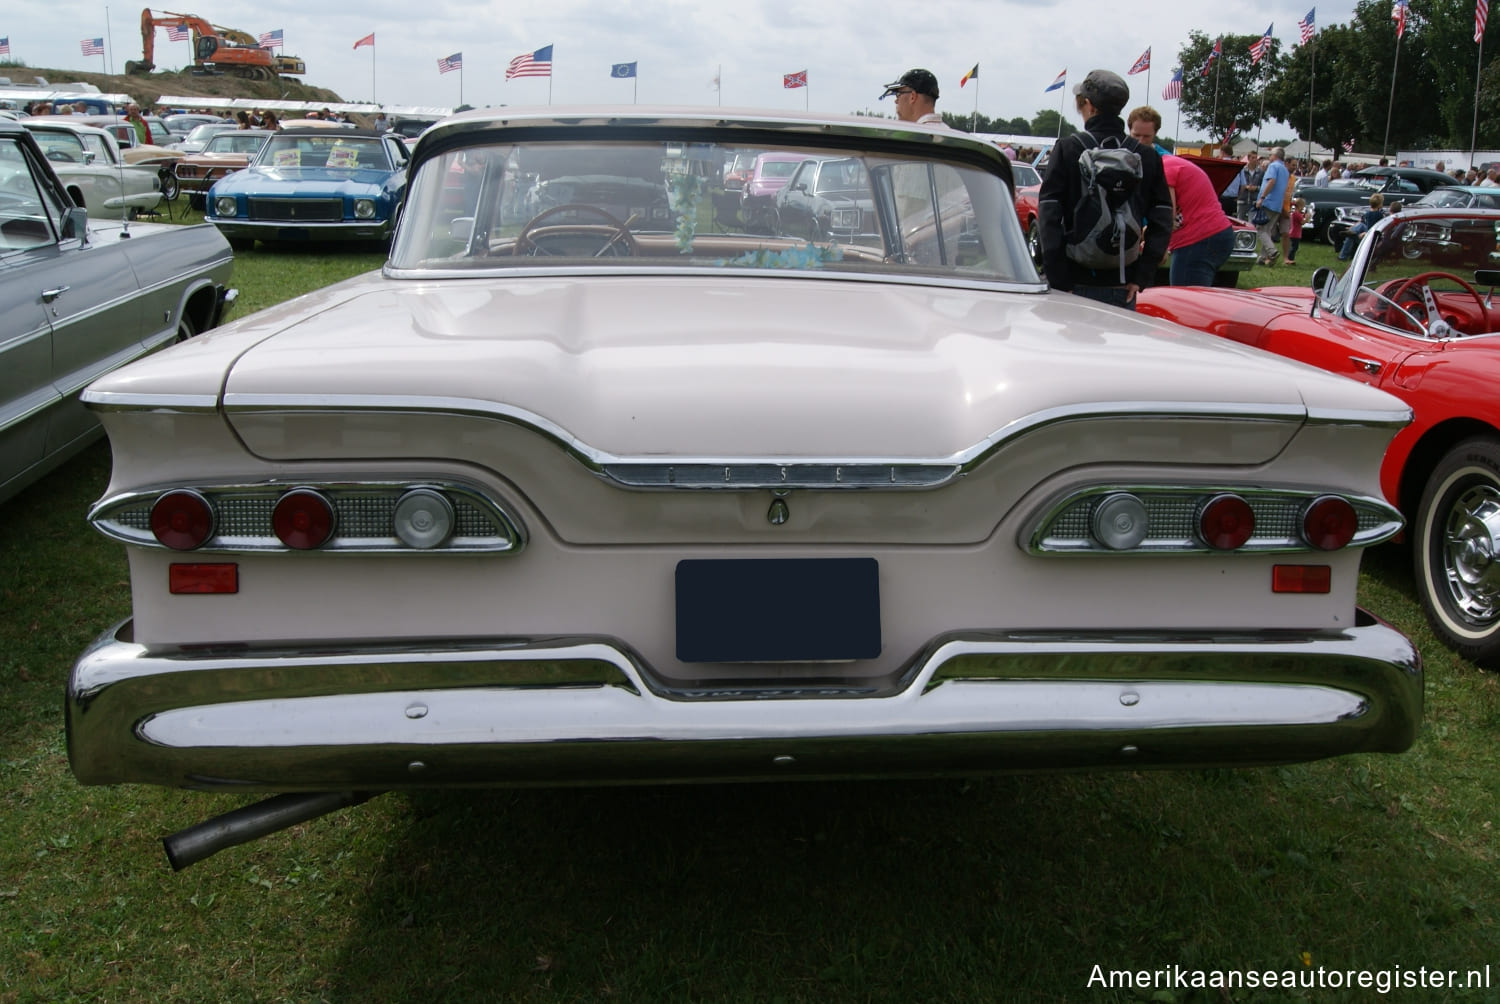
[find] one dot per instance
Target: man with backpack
(1102, 190)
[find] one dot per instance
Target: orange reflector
(1301, 579)
(222, 578)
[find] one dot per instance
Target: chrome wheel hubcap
(1471, 558)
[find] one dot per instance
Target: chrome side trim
(514, 711)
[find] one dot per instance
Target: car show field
(1002, 887)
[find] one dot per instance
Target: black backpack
(1106, 227)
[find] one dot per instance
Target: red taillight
(1329, 523)
(182, 520)
(303, 519)
(203, 578)
(1301, 579)
(1226, 522)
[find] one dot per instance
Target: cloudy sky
(849, 48)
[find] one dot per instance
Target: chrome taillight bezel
(1065, 525)
(363, 517)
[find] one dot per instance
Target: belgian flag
(971, 75)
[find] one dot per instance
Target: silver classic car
(611, 490)
(78, 298)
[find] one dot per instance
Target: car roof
(323, 132)
(804, 127)
(61, 122)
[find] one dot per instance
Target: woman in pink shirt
(1202, 236)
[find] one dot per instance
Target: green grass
(992, 889)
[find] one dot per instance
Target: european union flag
(622, 70)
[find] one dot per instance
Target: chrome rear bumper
(560, 711)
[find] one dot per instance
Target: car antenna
(120, 170)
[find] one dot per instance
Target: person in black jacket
(1100, 98)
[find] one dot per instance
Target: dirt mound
(149, 88)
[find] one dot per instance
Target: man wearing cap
(1099, 99)
(916, 97)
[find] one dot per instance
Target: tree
(1320, 70)
(1045, 123)
(1227, 100)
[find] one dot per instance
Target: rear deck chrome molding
(550, 710)
(741, 473)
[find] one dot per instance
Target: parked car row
(78, 299)
(1405, 184)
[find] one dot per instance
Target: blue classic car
(313, 185)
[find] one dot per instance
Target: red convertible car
(1414, 315)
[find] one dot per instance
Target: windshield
(60, 145)
(325, 150)
(665, 205)
(1441, 270)
(237, 141)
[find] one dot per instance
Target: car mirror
(1323, 280)
(75, 223)
(799, 187)
(1487, 277)
(461, 229)
(88, 157)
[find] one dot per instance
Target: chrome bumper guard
(562, 711)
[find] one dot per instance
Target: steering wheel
(1417, 283)
(62, 156)
(613, 232)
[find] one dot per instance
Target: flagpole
(1060, 107)
(1263, 83)
(1312, 79)
(635, 87)
(372, 75)
(1219, 72)
(719, 84)
(1474, 130)
(109, 66)
(1390, 105)
(974, 119)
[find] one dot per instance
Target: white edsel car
(610, 490)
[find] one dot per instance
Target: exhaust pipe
(189, 846)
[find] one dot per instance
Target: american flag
(5, 46)
(450, 63)
(270, 39)
(1481, 15)
(92, 46)
(1173, 90)
(531, 64)
(1398, 14)
(1142, 64)
(1218, 48)
(1348, 145)
(1308, 25)
(178, 33)
(1260, 45)
(798, 79)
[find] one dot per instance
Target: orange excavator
(215, 48)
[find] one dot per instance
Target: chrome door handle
(1370, 366)
(48, 295)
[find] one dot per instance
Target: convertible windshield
(665, 204)
(1441, 271)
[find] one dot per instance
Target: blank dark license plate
(778, 609)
